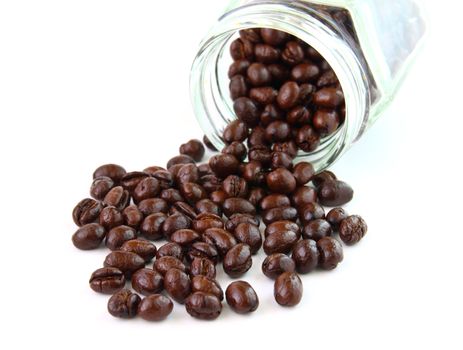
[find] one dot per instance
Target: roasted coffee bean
(202, 266)
(273, 37)
(100, 187)
(187, 173)
(184, 209)
(181, 159)
(298, 115)
(238, 205)
(280, 242)
(334, 193)
(127, 262)
(246, 110)
(306, 94)
(326, 121)
(281, 181)
(293, 53)
(303, 172)
(203, 250)
(205, 221)
(124, 304)
(305, 72)
(184, 237)
(241, 297)
(253, 172)
(209, 144)
(218, 197)
(258, 74)
(281, 226)
(288, 95)
(155, 307)
(238, 87)
(235, 186)
(275, 264)
(170, 249)
(130, 180)
(328, 97)
(277, 131)
(207, 206)
(305, 255)
(235, 131)
(88, 236)
(288, 289)
(263, 95)
(327, 78)
(203, 306)
(238, 260)
(86, 211)
(307, 139)
(352, 229)
(117, 197)
(110, 217)
(239, 218)
(311, 211)
(274, 200)
(192, 192)
(304, 195)
(255, 195)
(177, 284)
(279, 72)
(193, 148)
(152, 169)
(317, 229)
(330, 251)
(118, 235)
(221, 239)
(257, 135)
(236, 149)
(174, 169)
(335, 216)
(107, 280)
(320, 178)
(266, 53)
(147, 281)
(141, 247)
(153, 205)
(224, 164)
(281, 160)
(165, 263)
(288, 147)
(238, 67)
(279, 214)
(113, 171)
(249, 234)
(237, 49)
(132, 216)
(204, 169)
(211, 183)
(261, 154)
(166, 180)
(152, 226)
(206, 285)
(171, 196)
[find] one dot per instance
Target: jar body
(368, 43)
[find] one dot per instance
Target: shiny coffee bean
(218, 197)
(155, 307)
(281, 226)
(237, 50)
(246, 110)
(203, 250)
(187, 173)
(335, 216)
(204, 169)
(153, 205)
(192, 192)
(281, 160)
(205, 221)
(293, 53)
(326, 121)
(277, 131)
(275, 264)
(352, 229)
(274, 200)
(273, 37)
(100, 187)
(113, 171)
(320, 178)
(235, 186)
(307, 139)
(281, 181)
(86, 211)
(132, 216)
(181, 159)
(304, 195)
(334, 193)
(279, 214)
(327, 78)
(177, 284)
(330, 251)
(152, 226)
(221, 239)
(184, 209)
(171, 196)
(236, 149)
(288, 95)
(257, 135)
(88, 236)
(147, 281)
(288, 147)
(193, 148)
(130, 180)
(165, 263)
(258, 74)
(303, 172)
(107, 280)
(317, 229)
(206, 285)
(261, 154)
(152, 169)
(288, 289)
(127, 262)
(298, 115)
(305, 255)
(305, 72)
(328, 97)
(266, 53)
(124, 304)
(279, 73)
(118, 235)
(170, 249)
(206, 206)
(238, 67)
(141, 247)
(241, 297)
(237, 130)
(203, 306)
(117, 197)
(224, 164)
(238, 260)
(237, 219)
(165, 178)
(238, 205)
(184, 237)
(280, 242)
(249, 234)
(110, 217)
(263, 95)
(256, 194)
(202, 267)
(311, 211)
(211, 183)
(253, 172)
(238, 87)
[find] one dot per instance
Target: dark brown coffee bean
(166, 179)
(307, 139)
(193, 148)
(165, 263)
(141, 247)
(192, 192)
(266, 53)
(184, 237)
(275, 264)
(238, 260)
(320, 178)
(253, 172)
(279, 214)
(328, 78)
(235, 131)
(274, 200)
(181, 159)
(281, 160)
(306, 94)
(279, 72)
(261, 154)
(117, 197)
(218, 197)
(118, 235)
(288, 147)
(298, 115)
(203, 250)
(110, 217)
(288, 95)
(258, 74)
(203, 306)
(107, 280)
(236, 149)
(293, 53)
(257, 136)
(317, 229)
(280, 242)
(211, 183)
(305, 255)
(177, 284)
(241, 297)
(113, 171)
(206, 285)
(238, 87)
(147, 281)
(224, 164)
(303, 172)
(288, 289)
(234, 186)
(263, 95)
(281, 226)
(281, 181)
(127, 262)
(311, 211)
(221, 239)
(187, 173)
(328, 97)
(132, 216)
(101, 186)
(202, 266)
(277, 131)
(305, 72)
(152, 169)
(249, 234)
(326, 121)
(269, 114)
(152, 226)
(274, 37)
(239, 218)
(153, 205)
(334, 193)
(252, 35)
(205, 221)
(184, 209)
(246, 110)
(352, 229)
(170, 249)
(88, 236)
(335, 216)
(155, 307)
(330, 251)
(86, 211)
(255, 195)
(130, 180)
(238, 67)
(207, 206)
(204, 169)
(171, 196)
(238, 205)
(304, 195)
(237, 50)
(124, 304)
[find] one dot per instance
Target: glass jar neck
(209, 85)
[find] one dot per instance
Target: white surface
(84, 83)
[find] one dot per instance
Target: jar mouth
(209, 80)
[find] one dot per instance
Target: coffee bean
(184, 209)
(132, 216)
(118, 235)
(311, 211)
(205, 221)
(234, 186)
(171, 196)
(327, 78)
(328, 97)
(170, 249)
(206, 285)
(88, 236)
(334, 193)
(282, 226)
(281, 181)
(274, 200)
(203, 250)
(153, 205)
(288, 289)
(224, 164)
(236, 149)
(288, 147)
(193, 148)
(101, 186)
(165, 263)
(275, 264)
(192, 192)
(206, 206)
(256, 194)
(257, 135)
(305, 255)
(203, 306)
(221, 239)
(279, 214)
(181, 159)
(281, 160)
(237, 50)
(218, 197)
(238, 67)
(236, 219)
(241, 297)
(352, 229)
(107, 280)
(258, 74)
(320, 178)
(280, 242)
(130, 180)
(277, 131)
(288, 95)
(298, 115)
(335, 216)
(238, 260)
(249, 234)
(203, 267)
(238, 205)
(235, 131)
(166, 179)
(211, 183)
(141, 247)
(146, 188)
(152, 169)
(307, 139)
(330, 251)
(124, 304)
(184, 237)
(152, 226)
(304, 195)
(155, 307)
(306, 95)
(266, 53)
(303, 172)
(177, 284)
(113, 171)
(305, 72)
(317, 229)
(263, 95)
(86, 211)
(293, 53)
(246, 110)
(147, 281)
(110, 217)
(279, 72)
(326, 121)
(117, 197)
(127, 262)
(261, 154)
(273, 37)
(204, 169)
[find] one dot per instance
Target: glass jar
(368, 43)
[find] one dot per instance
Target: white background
(84, 83)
